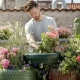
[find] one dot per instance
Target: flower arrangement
(64, 32)
(13, 67)
(5, 33)
(14, 48)
(49, 41)
(12, 64)
(71, 57)
(10, 59)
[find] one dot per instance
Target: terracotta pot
(55, 75)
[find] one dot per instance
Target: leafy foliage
(77, 25)
(16, 40)
(49, 41)
(5, 33)
(71, 57)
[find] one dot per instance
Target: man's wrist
(34, 45)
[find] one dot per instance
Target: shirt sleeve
(28, 29)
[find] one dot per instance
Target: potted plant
(17, 38)
(64, 34)
(46, 52)
(12, 64)
(5, 33)
(69, 67)
(46, 56)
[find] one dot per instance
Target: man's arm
(30, 35)
(31, 41)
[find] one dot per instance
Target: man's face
(35, 13)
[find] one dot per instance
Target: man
(37, 25)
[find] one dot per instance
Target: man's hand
(31, 41)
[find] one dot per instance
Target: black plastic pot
(45, 58)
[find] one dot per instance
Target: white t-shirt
(36, 28)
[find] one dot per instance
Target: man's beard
(37, 17)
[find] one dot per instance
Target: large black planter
(45, 58)
(48, 60)
(7, 74)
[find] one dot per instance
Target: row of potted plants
(69, 66)
(7, 31)
(49, 50)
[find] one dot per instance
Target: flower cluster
(5, 33)
(10, 59)
(64, 32)
(49, 41)
(41, 68)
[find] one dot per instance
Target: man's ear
(39, 7)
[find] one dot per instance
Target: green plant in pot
(71, 61)
(46, 56)
(12, 65)
(46, 53)
(64, 32)
(49, 41)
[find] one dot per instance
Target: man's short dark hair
(30, 5)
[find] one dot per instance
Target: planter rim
(3, 41)
(64, 39)
(19, 70)
(33, 53)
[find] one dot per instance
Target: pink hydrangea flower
(62, 48)
(4, 51)
(15, 50)
(5, 63)
(64, 32)
(53, 35)
(55, 32)
(78, 58)
(50, 34)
